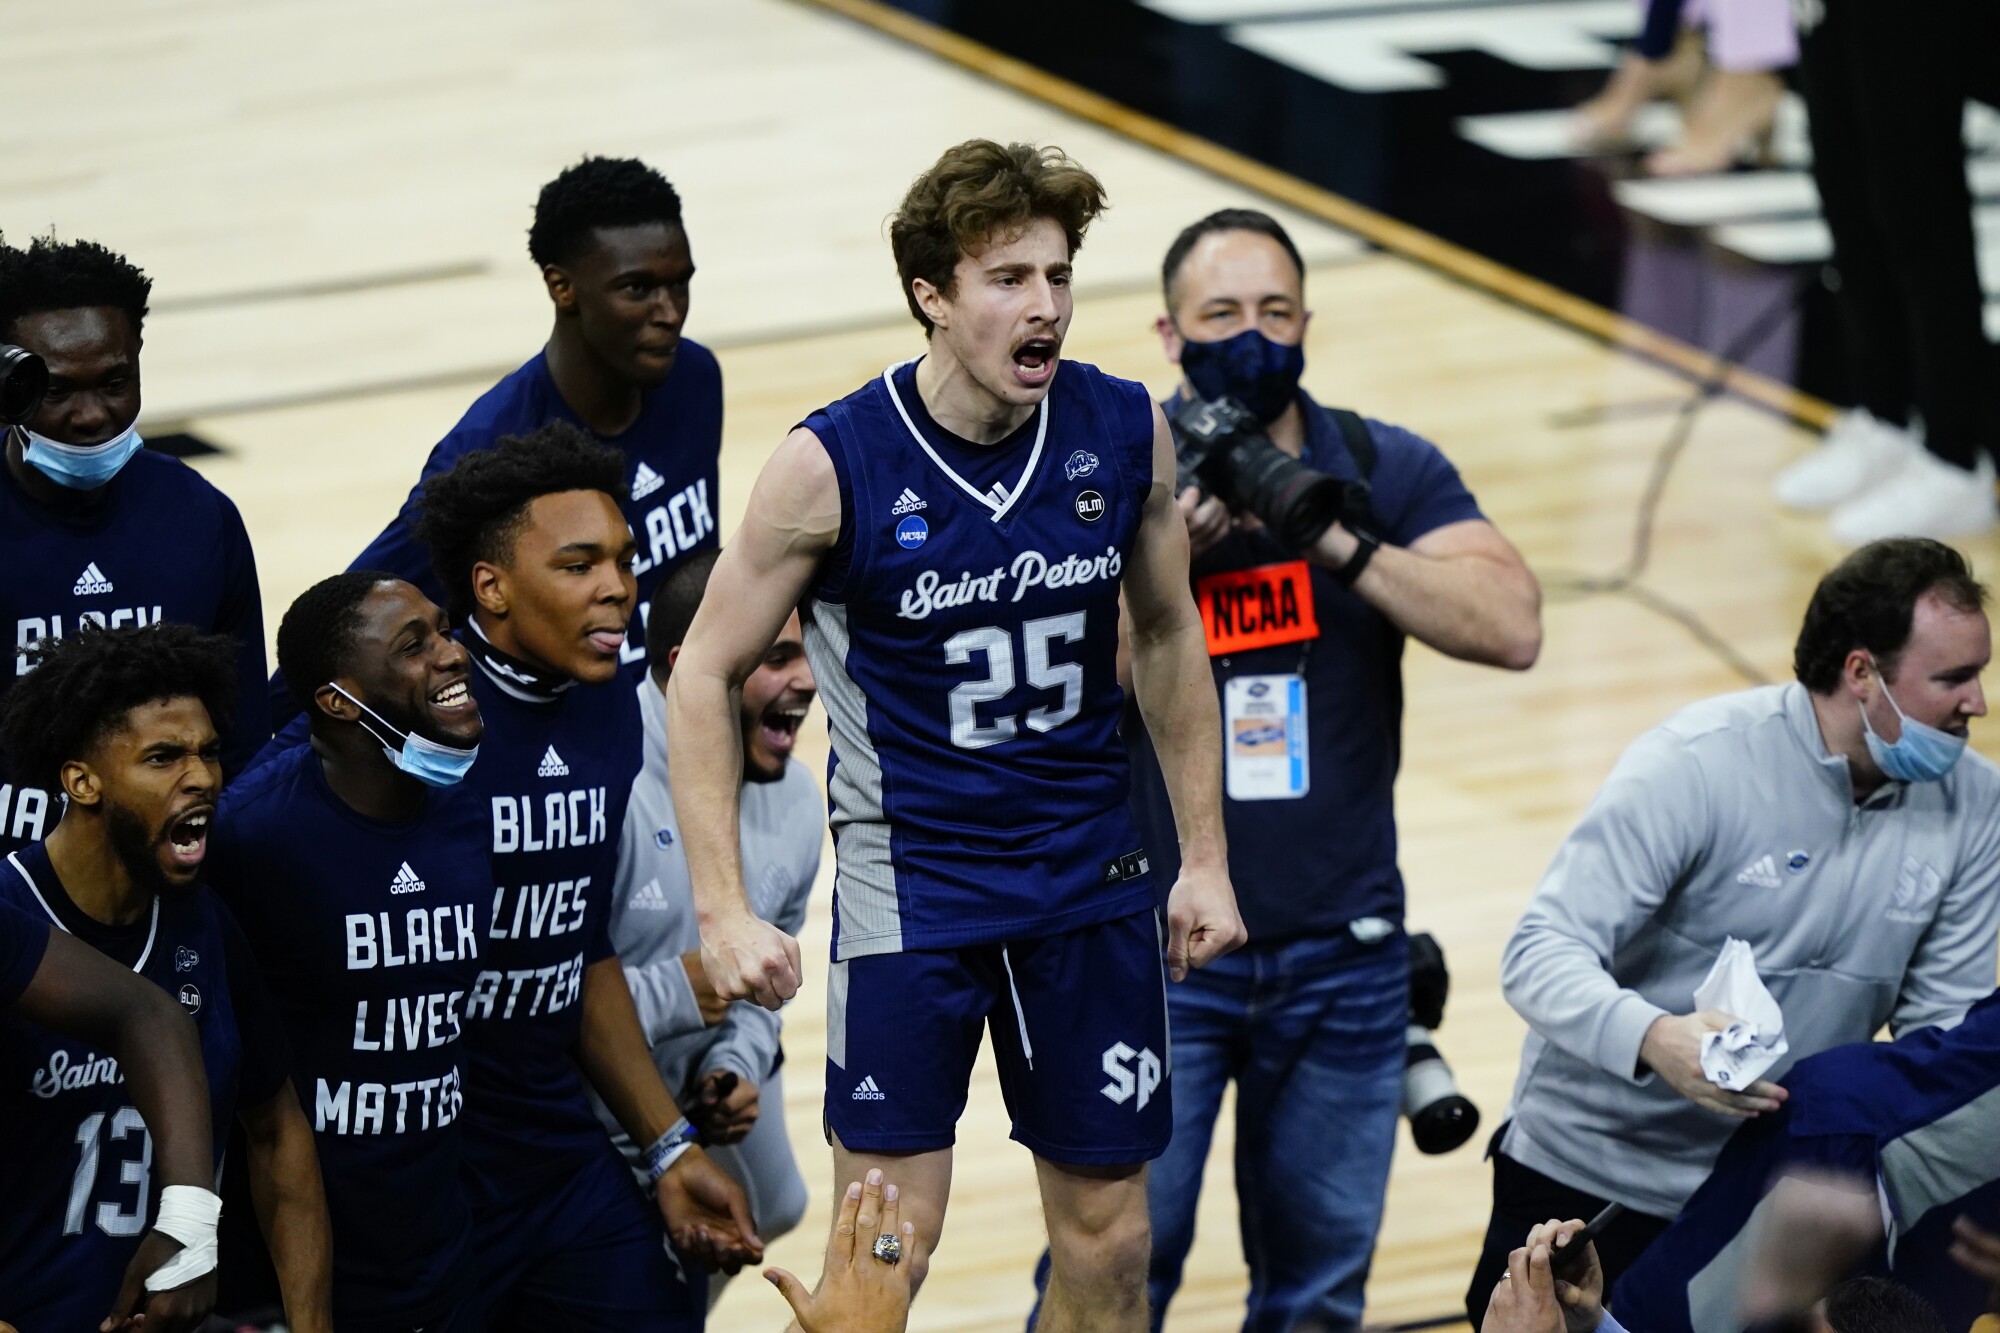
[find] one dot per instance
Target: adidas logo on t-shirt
(552, 765)
(1763, 873)
(908, 503)
(645, 481)
(650, 897)
(868, 1092)
(406, 881)
(91, 581)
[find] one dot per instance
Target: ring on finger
(888, 1248)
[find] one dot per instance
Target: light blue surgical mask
(427, 761)
(1924, 754)
(81, 467)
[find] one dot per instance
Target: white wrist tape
(188, 1213)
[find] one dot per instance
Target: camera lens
(1296, 502)
(24, 378)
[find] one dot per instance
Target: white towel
(1738, 1056)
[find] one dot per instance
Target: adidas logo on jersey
(868, 1092)
(1763, 873)
(91, 582)
(406, 881)
(908, 503)
(645, 481)
(650, 898)
(552, 765)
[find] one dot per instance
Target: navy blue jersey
(369, 936)
(161, 544)
(671, 453)
(75, 1165)
(965, 640)
(554, 778)
(1351, 656)
(23, 941)
(1920, 1116)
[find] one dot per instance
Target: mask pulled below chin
(80, 467)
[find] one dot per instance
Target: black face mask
(532, 684)
(1260, 374)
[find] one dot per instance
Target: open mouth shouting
(1035, 360)
(778, 727)
(187, 837)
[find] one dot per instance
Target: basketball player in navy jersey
(357, 865)
(529, 539)
(61, 984)
(119, 721)
(613, 253)
(957, 536)
(93, 528)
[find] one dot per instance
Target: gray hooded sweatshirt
(1732, 819)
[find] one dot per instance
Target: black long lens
(24, 378)
(1296, 503)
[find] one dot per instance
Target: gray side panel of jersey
(864, 882)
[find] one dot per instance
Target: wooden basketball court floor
(334, 202)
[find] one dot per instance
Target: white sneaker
(1927, 498)
(1860, 451)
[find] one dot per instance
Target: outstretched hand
(707, 1214)
(857, 1292)
(175, 1310)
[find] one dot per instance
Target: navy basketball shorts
(1079, 1026)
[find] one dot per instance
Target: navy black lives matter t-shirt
(159, 543)
(23, 941)
(75, 1155)
(554, 778)
(369, 936)
(670, 450)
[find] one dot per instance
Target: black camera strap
(1357, 514)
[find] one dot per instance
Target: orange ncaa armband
(1257, 608)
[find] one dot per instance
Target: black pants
(1524, 1198)
(1885, 87)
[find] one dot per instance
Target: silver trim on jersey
(864, 879)
(152, 931)
(999, 508)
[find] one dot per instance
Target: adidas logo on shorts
(868, 1092)
(645, 481)
(552, 765)
(908, 503)
(650, 897)
(91, 581)
(1762, 873)
(406, 881)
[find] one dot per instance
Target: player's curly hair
(977, 191)
(68, 275)
(474, 512)
(83, 685)
(1868, 601)
(316, 638)
(598, 192)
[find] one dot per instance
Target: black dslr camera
(1441, 1117)
(24, 378)
(1222, 448)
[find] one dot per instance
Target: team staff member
(358, 868)
(1310, 1017)
(721, 1060)
(119, 721)
(1836, 824)
(614, 256)
(530, 541)
(94, 528)
(55, 981)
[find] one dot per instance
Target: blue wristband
(667, 1149)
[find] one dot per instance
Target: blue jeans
(1313, 1033)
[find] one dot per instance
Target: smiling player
(119, 721)
(957, 536)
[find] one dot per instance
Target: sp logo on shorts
(1089, 506)
(912, 532)
(190, 998)
(1131, 1072)
(1079, 464)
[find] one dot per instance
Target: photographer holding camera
(1320, 541)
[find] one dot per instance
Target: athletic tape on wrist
(188, 1213)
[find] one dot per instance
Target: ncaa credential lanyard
(1264, 734)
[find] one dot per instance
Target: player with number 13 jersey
(958, 535)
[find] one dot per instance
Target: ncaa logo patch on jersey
(912, 532)
(1079, 464)
(190, 998)
(1089, 506)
